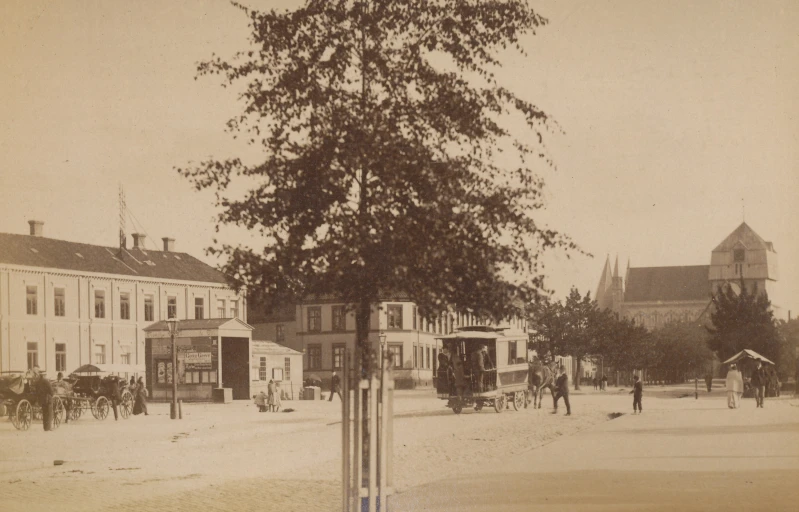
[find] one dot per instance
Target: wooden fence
(367, 438)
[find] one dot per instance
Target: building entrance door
(236, 367)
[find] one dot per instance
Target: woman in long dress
(140, 402)
(735, 387)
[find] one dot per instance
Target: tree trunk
(578, 373)
(363, 347)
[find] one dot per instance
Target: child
(637, 392)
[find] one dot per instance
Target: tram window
(511, 352)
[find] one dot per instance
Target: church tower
(743, 255)
(618, 289)
(604, 292)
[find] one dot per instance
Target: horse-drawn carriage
(18, 396)
(93, 390)
(485, 367)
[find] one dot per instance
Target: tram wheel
(457, 407)
(518, 400)
(500, 402)
(478, 406)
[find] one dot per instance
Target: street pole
(174, 408)
(172, 324)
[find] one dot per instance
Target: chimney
(138, 240)
(36, 227)
(169, 244)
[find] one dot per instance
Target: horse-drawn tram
(482, 366)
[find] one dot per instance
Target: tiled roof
(667, 284)
(747, 237)
(38, 251)
(270, 347)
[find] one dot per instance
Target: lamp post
(172, 324)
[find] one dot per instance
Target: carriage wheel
(76, 410)
(478, 406)
(457, 407)
(58, 412)
(24, 415)
(518, 400)
(126, 405)
(499, 402)
(100, 408)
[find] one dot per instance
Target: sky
(679, 120)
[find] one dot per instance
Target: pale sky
(675, 114)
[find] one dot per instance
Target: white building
(64, 304)
(323, 328)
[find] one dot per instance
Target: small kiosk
(212, 354)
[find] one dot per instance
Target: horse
(541, 376)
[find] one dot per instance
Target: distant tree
(678, 349)
(582, 329)
(388, 166)
(624, 345)
(743, 320)
(789, 344)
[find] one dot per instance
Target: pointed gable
(746, 236)
(604, 295)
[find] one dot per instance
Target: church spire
(616, 267)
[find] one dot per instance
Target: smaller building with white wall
(273, 361)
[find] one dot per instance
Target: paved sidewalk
(704, 457)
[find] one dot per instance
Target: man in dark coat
(758, 382)
(637, 393)
(111, 385)
(44, 394)
(480, 363)
(709, 382)
(562, 384)
(335, 387)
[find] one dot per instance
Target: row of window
(59, 305)
(61, 356)
(276, 374)
(423, 356)
(442, 324)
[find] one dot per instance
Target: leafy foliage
(387, 167)
(788, 364)
(680, 349)
(743, 320)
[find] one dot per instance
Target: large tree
(743, 319)
(680, 349)
(388, 164)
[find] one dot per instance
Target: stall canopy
(746, 353)
(109, 368)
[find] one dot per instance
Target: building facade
(323, 330)
(273, 361)
(655, 296)
(64, 304)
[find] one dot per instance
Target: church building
(655, 296)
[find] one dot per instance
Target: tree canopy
(388, 162)
(743, 320)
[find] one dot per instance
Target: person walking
(335, 387)
(735, 387)
(709, 382)
(64, 388)
(140, 398)
(276, 397)
(270, 388)
(637, 393)
(758, 382)
(596, 383)
(562, 385)
(44, 395)
(604, 384)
